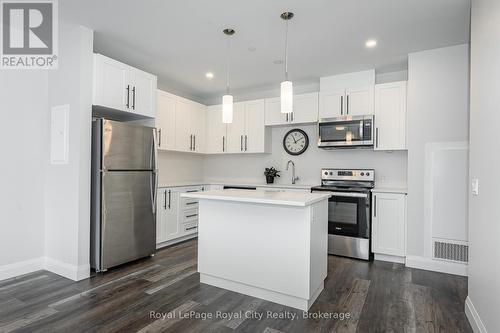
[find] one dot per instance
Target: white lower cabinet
(176, 217)
(167, 227)
(389, 224)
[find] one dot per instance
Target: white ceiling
(180, 40)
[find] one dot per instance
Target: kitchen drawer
(190, 228)
(190, 215)
(189, 203)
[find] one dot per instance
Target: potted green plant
(270, 174)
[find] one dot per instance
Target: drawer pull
(191, 228)
(192, 215)
(192, 203)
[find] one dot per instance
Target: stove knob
(326, 173)
(362, 174)
(367, 173)
(331, 173)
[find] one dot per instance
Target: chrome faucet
(293, 171)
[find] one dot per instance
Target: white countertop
(383, 189)
(183, 183)
(236, 183)
(285, 198)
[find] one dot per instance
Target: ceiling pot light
(227, 99)
(371, 43)
(209, 75)
(286, 95)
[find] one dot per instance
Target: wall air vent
(451, 251)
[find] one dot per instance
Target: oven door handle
(349, 194)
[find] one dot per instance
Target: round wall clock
(295, 141)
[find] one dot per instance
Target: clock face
(295, 142)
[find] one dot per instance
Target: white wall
(23, 140)
(178, 167)
(437, 113)
(390, 166)
(67, 189)
(484, 215)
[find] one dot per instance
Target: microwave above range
(346, 132)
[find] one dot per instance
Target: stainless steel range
(349, 217)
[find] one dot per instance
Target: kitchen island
(270, 245)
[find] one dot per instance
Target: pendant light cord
(286, 51)
(227, 65)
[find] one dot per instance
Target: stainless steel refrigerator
(124, 181)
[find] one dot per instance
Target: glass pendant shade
(227, 109)
(286, 97)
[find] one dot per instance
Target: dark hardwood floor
(378, 296)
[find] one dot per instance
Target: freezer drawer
(125, 146)
(128, 217)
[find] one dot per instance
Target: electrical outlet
(475, 186)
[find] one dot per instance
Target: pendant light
(286, 86)
(227, 99)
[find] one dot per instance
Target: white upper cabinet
(255, 130)
(390, 116)
(111, 83)
(359, 101)
(121, 87)
(346, 102)
(189, 126)
(331, 104)
(305, 110)
(236, 129)
(197, 122)
(165, 120)
(216, 130)
(183, 135)
(273, 115)
(389, 224)
(143, 94)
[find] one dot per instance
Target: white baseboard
(389, 258)
(473, 317)
(436, 265)
(20, 268)
(73, 272)
(176, 240)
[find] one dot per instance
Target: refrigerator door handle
(153, 150)
(153, 190)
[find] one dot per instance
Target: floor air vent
(451, 251)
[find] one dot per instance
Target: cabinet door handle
(164, 199)
(191, 142)
(286, 115)
(341, 105)
(223, 142)
(241, 142)
(376, 137)
(169, 198)
(291, 116)
(246, 142)
(192, 215)
(133, 98)
(375, 206)
(347, 104)
(194, 142)
(128, 96)
(191, 203)
(191, 191)
(159, 137)
(191, 228)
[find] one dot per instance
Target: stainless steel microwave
(346, 132)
